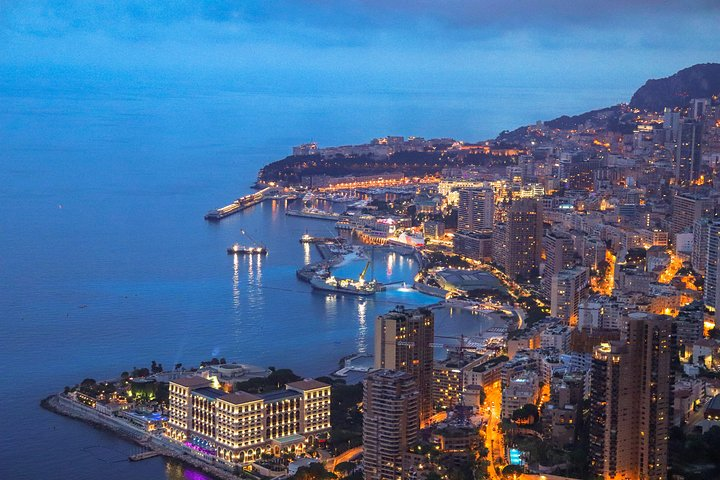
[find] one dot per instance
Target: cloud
(368, 43)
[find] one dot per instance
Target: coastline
(60, 405)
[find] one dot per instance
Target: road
(493, 438)
(346, 456)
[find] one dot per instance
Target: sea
(106, 262)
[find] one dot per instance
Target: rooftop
(209, 392)
(240, 397)
(307, 384)
(279, 395)
(192, 382)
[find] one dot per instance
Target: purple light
(199, 449)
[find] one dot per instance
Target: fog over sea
(106, 262)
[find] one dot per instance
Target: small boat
(238, 249)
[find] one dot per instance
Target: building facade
(403, 341)
(524, 228)
(239, 427)
(391, 422)
(631, 400)
(476, 208)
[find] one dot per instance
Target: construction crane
(362, 275)
(255, 243)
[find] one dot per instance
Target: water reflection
(331, 308)
(236, 283)
(362, 327)
(306, 254)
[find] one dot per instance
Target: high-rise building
(559, 255)
(631, 400)
(390, 422)
(403, 341)
(687, 209)
(701, 230)
(688, 152)
(523, 232)
(568, 289)
(499, 244)
(476, 208)
(712, 266)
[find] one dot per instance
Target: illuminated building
(476, 209)
(239, 427)
(688, 152)
(559, 255)
(433, 229)
(568, 289)
(475, 245)
(520, 391)
(403, 341)
(523, 233)
(712, 266)
(701, 231)
(631, 400)
(390, 422)
(687, 209)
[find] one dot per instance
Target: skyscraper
(701, 230)
(687, 208)
(687, 153)
(403, 341)
(559, 255)
(712, 265)
(524, 233)
(390, 422)
(568, 289)
(476, 208)
(631, 400)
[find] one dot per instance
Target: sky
(284, 45)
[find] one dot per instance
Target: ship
(313, 213)
(347, 285)
(238, 249)
(254, 249)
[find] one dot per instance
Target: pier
(143, 456)
(241, 204)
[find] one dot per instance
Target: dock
(241, 204)
(143, 456)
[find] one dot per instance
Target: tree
(314, 471)
(528, 413)
(345, 468)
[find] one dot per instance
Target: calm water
(106, 262)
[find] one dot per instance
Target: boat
(238, 249)
(347, 285)
(255, 249)
(313, 213)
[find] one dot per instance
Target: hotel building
(239, 427)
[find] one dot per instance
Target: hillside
(698, 81)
